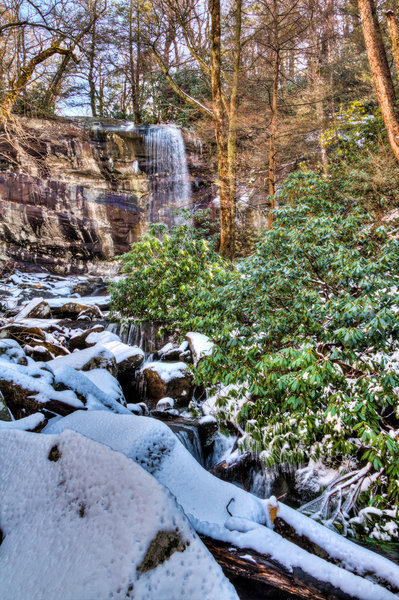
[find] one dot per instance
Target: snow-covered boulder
(207, 430)
(78, 525)
(78, 340)
(74, 308)
(164, 379)
(128, 358)
(21, 333)
(37, 308)
(173, 353)
(100, 337)
(96, 357)
(11, 351)
(165, 404)
(28, 389)
(200, 345)
(225, 512)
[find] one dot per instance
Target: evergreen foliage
(305, 329)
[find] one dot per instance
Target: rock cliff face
(75, 194)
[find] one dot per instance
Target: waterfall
(167, 173)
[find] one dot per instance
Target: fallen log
(252, 566)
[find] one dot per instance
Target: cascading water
(167, 172)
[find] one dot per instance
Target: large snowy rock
(37, 308)
(78, 340)
(28, 389)
(225, 512)
(11, 351)
(78, 525)
(168, 379)
(96, 357)
(155, 447)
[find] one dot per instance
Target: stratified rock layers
(70, 196)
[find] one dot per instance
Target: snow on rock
(78, 340)
(165, 404)
(128, 358)
(11, 351)
(168, 379)
(99, 392)
(100, 337)
(205, 500)
(78, 525)
(107, 383)
(37, 308)
(82, 303)
(29, 388)
(156, 448)
(5, 414)
(26, 424)
(200, 345)
(96, 357)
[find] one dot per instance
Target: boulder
(73, 309)
(172, 353)
(89, 314)
(200, 345)
(21, 333)
(101, 337)
(5, 414)
(11, 351)
(207, 430)
(165, 404)
(78, 340)
(97, 357)
(27, 390)
(128, 358)
(168, 379)
(37, 308)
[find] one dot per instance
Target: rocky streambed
(61, 359)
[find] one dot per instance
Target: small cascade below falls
(167, 173)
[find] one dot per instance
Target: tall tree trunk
(232, 133)
(380, 70)
(134, 68)
(227, 213)
(273, 138)
(394, 35)
(92, 85)
(25, 75)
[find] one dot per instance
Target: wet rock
(97, 357)
(168, 380)
(11, 351)
(165, 404)
(23, 334)
(28, 390)
(161, 549)
(88, 286)
(73, 309)
(173, 353)
(78, 340)
(38, 353)
(5, 414)
(37, 308)
(200, 345)
(207, 430)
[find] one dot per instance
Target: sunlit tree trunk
(227, 212)
(232, 133)
(380, 70)
(273, 138)
(25, 75)
(394, 35)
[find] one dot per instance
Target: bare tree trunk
(380, 70)
(92, 85)
(24, 77)
(134, 69)
(227, 216)
(394, 35)
(273, 139)
(232, 133)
